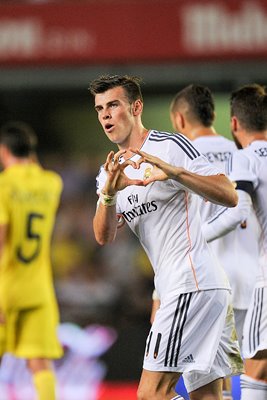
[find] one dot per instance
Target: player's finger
(117, 156)
(145, 156)
(110, 157)
(134, 164)
(139, 162)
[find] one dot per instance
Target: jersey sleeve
(242, 169)
(227, 219)
(58, 186)
(186, 155)
(202, 166)
(100, 180)
(4, 210)
(100, 183)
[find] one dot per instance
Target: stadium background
(49, 51)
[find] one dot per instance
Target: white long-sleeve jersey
(238, 250)
(165, 217)
(249, 168)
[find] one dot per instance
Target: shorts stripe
(176, 333)
(148, 343)
(156, 350)
(254, 329)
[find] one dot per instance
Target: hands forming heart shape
(118, 180)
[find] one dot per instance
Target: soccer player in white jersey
(192, 113)
(153, 193)
(249, 128)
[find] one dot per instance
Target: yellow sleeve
(4, 209)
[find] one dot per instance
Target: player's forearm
(105, 224)
(227, 219)
(216, 188)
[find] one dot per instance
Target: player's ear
(137, 107)
(177, 120)
(182, 120)
(234, 124)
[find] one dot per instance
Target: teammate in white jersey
(249, 128)
(192, 113)
(153, 193)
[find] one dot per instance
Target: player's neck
(16, 161)
(136, 141)
(252, 137)
(202, 131)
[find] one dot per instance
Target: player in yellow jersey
(29, 198)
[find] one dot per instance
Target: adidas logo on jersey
(189, 359)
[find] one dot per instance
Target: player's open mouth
(108, 127)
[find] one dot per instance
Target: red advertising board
(133, 31)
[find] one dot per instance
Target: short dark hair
(249, 105)
(131, 85)
(200, 102)
(19, 138)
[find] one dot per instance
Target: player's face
(115, 114)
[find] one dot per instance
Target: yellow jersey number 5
(33, 236)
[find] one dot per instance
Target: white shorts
(194, 335)
(255, 327)
(240, 316)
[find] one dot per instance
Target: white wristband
(155, 295)
(107, 200)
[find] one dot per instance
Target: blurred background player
(192, 113)
(249, 166)
(29, 198)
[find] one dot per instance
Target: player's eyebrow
(109, 103)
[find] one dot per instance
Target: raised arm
(105, 221)
(216, 188)
(227, 219)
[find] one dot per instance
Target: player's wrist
(108, 199)
(155, 295)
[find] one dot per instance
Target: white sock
(252, 389)
(227, 395)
